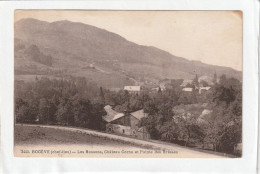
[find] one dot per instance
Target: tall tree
(64, 113)
(82, 111)
(196, 80)
(159, 90)
(101, 96)
(44, 111)
(214, 80)
(223, 79)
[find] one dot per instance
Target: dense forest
(172, 113)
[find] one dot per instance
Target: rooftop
(132, 88)
(113, 115)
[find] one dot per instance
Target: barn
(125, 123)
(133, 89)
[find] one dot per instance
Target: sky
(212, 37)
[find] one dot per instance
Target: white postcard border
(246, 164)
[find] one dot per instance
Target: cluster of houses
(125, 123)
(186, 85)
(201, 89)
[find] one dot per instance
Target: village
(201, 112)
(193, 113)
(126, 123)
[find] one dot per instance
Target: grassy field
(43, 137)
(38, 136)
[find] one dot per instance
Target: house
(91, 65)
(187, 89)
(155, 89)
(162, 86)
(158, 88)
(198, 112)
(201, 89)
(185, 83)
(125, 123)
(133, 89)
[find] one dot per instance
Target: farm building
(202, 89)
(133, 89)
(155, 89)
(187, 89)
(163, 87)
(125, 123)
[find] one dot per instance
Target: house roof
(139, 114)
(187, 89)
(132, 88)
(204, 88)
(109, 110)
(111, 114)
(119, 115)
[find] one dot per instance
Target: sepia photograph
(128, 84)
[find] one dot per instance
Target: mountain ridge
(73, 45)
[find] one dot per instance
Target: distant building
(158, 88)
(185, 83)
(162, 86)
(91, 65)
(187, 89)
(133, 89)
(155, 89)
(125, 123)
(201, 89)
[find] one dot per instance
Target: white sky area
(213, 37)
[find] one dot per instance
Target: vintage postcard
(128, 84)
